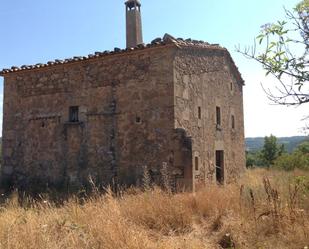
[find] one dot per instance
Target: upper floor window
(233, 122)
(199, 110)
(196, 163)
(138, 120)
(73, 114)
(218, 116)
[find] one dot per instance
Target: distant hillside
(290, 143)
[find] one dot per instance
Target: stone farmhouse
(173, 104)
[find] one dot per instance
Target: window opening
(138, 120)
(196, 163)
(218, 116)
(199, 112)
(233, 122)
(73, 114)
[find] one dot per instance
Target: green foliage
(274, 154)
(299, 159)
(303, 148)
(250, 160)
(303, 5)
(253, 159)
(290, 143)
(283, 51)
(302, 182)
(271, 150)
(292, 161)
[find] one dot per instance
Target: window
(220, 166)
(218, 116)
(196, 163)
(233, 122)
(73, 114)
(138, 120)
(199, 112)
(231, 86)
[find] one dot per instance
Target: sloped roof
(158, 42)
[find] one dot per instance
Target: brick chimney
(134, 23)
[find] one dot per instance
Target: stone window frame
(232, 86)
(196, 163)
(74, 114)
(218, 117)
(199, 112)
(233, 123)
(138, 119)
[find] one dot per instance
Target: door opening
(220, 166)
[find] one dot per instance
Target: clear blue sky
(34, 31)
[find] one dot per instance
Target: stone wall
(137, 110)
(125, 119)
(204, 78)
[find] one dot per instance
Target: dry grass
(266, 209)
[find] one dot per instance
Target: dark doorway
(220, 166)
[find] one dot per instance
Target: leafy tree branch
(282, 48)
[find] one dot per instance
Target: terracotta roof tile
(167, 39)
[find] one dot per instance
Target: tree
(271, 150)
(292, 161)
(284, 53)
(304, 148)
(254, 159)
(299, 159)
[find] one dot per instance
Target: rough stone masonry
(112, 115)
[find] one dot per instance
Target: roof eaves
(166, 40)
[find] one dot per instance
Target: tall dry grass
(265, 209)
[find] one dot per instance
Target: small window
(196, 163)
(231, 86)
(199, 112)
(73, 114)
(218, 116)
(138, 120)
(233, 122)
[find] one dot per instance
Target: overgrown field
(265, 209)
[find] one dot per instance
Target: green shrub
(254, 159)
(296, 160)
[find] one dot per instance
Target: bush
(296, 160)
(254, 159)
